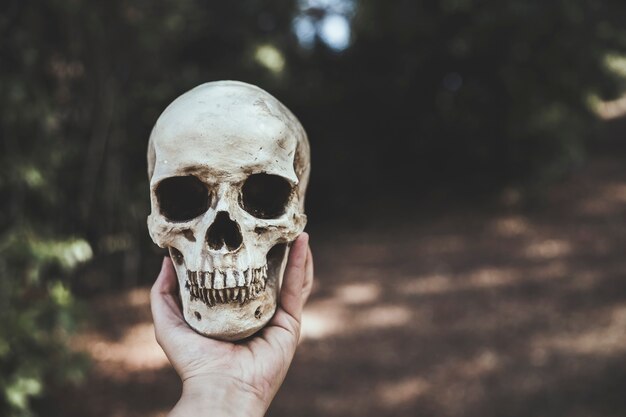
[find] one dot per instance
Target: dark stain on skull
(249, 170)
(300, 162)
(202, 171)
(282, 143)
(263, 107)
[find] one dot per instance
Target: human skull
(228, 166)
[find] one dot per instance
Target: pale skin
(223, 379)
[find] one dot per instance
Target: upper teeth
(225, 286)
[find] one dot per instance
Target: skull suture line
(228, 166)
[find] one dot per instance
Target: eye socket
(182, 198)
(265, 196)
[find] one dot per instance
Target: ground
(496, 311)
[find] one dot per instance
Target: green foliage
(38, 314)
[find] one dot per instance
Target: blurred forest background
(414, 108)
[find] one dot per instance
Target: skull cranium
(228, 167)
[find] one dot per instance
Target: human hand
(232, 379)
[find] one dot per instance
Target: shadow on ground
(473, 312)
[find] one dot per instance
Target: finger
(291, 299)
(166, 312)
(166, 281)
(308, 276)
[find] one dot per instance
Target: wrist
(218, 397)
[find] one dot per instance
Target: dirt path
(470, 313)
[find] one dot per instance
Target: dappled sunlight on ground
(325, 319)
(602, 339)
(463, 313)
(358, 293)
(321, 320)
(134, 347)
(397, 393)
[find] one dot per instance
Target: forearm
(217, 401)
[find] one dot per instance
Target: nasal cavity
(222, 232)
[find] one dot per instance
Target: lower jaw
(226, 317)
(252, 282)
